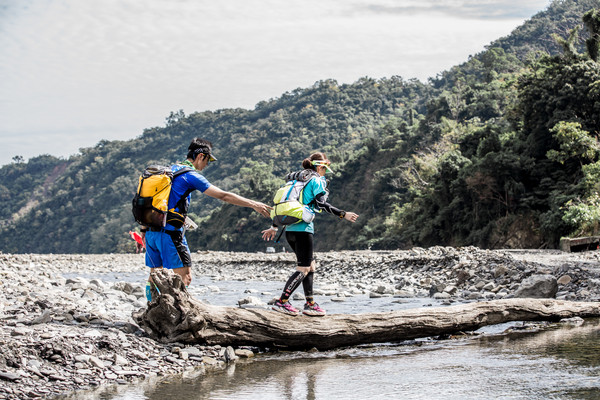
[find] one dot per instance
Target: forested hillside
(500, 151)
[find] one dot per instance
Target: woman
(300, 235)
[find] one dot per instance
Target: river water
(559, 362)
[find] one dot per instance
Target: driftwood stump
(175, 316)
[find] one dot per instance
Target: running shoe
(285, 308)
(313, 310)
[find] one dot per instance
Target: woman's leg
(302, 245)
(307, 284)
(311, 307)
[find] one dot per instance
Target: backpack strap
(290, 191)
(175, 215)
(301, 195)
(278, 238)
(182, 171)
(139, 193)
(187, 192)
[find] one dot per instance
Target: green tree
(591, 19)
(573, 142)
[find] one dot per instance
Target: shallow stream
(560, 362)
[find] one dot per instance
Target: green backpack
(288, 208)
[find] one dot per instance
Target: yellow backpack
(150, 205)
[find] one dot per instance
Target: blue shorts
(167, 249)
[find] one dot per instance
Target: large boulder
(538, 286)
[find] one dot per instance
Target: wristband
(274, 228)
(343, 214)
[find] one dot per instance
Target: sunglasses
(323, 163)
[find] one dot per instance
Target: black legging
(302, 245)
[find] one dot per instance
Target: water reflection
(257, 380)
(561, 363)
(576, 344)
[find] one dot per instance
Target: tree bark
(175, 316)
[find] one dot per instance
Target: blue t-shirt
(315, 186)
(182, 184)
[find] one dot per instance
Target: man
(167, 247)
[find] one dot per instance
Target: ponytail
(307, 162)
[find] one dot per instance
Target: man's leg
(153, 260)
(185, 273)
(151, 289)
(178, 257)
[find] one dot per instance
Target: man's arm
(238, 200)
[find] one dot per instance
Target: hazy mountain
(393, 143)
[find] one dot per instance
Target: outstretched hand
(350, 216)
(269, 234)
(263, 209)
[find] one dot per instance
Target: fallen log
(175, 316)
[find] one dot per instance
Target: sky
(74, 72)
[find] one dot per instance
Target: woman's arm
(321, 202)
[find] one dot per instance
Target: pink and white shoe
(285, 308)
(313, 310)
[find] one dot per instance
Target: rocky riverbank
(65, 328)
(463, 274)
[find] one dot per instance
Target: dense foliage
(526, 178)
(500, 151)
